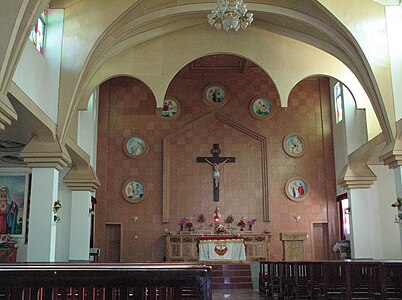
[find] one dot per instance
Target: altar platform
(185, 246)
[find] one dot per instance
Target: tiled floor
(237, 294)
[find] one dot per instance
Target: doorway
(320, 241)
(113, 242)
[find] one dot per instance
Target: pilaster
(42, 224)
(80, 226)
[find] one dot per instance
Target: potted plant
(8, 249)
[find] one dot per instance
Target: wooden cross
(215, 161)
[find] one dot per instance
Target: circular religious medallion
(261, 108)
(133, 191)
(294, 145)
(215, 95)
(296, 189)
(170, 109)
(135, 146)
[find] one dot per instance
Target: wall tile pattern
(127, 107)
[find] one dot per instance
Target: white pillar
(42, 227)
(360, 236)
(80, 228)
(398, 187)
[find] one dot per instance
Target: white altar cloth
(212, 248)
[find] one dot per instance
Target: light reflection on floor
(237, 294)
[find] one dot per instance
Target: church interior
(135, 125)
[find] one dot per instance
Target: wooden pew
(341, 279)
(105, 281)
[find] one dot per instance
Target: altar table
(221, 248)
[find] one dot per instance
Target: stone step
(231, 276)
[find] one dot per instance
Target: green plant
(7, 242)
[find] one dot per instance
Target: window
(338, 102)
(37, 36)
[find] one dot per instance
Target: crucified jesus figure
(215, 172)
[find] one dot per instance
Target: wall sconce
(56, 206)
(297, 218)
(91, 211)
(135, 218)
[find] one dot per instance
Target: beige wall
(367, 23)
(285, 60)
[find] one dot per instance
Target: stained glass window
(338, 102)
(37, 36)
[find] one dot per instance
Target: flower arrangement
(251, 222)
(398, 202)
(182, 222)
(221, 229)
(7, 242)
(9, 245)
(241, 223)
(229, 219)
(189, 223)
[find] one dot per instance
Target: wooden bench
(105, 281)
(343, 279)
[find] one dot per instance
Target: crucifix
(216, 161)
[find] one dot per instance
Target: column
(42, 227)
(80, 228)
(81, 180)
(360, 236)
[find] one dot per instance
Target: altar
(185, 246)
(219, 248)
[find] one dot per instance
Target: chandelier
(230, 14)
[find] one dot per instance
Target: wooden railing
(346, 279)
(105, 281)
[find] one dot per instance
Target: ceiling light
(230, 14)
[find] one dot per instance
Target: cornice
(7, 112)
(392, 152)
(40, 153)
(81, 176)
(357, 174)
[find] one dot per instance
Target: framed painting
(215, 95)
(296, 189)
(170, 109)
(133, 191)
(13, 203)
(135, 146)
(294, 145)
(261, 108)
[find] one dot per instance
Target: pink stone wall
(128, 107)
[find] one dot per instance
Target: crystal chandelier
(230, 14)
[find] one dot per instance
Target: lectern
(293, 245)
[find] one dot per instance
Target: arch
(315, 24)
(248, 64)
(84, 102)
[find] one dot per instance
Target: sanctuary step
(231, 276)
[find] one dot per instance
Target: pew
(341, 279)
(105, 281)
